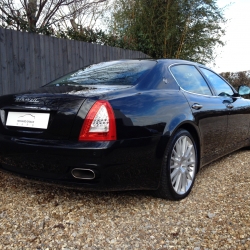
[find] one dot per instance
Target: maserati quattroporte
(124, 125)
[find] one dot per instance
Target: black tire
(170, 188)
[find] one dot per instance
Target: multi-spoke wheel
(182, 164)
(179, 167)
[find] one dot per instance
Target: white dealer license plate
(28, 119)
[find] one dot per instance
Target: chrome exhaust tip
(84, 174)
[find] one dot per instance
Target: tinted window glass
(190, 79)
(221, 87)
(127, 72)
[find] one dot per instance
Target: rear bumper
(120, 165)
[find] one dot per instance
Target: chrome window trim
(212, 94)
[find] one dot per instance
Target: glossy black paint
(146, 114)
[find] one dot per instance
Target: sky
(235, 55)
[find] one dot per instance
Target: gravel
(216, 215)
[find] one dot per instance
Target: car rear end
(69, 135)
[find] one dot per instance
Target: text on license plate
(28, 119)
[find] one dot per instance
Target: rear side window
(220, 86)
(190, 79)
(127, 72)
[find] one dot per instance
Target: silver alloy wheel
(182, 165)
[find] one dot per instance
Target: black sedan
(124, 125)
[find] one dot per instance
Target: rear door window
(190, 79)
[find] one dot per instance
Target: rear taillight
(99, 124)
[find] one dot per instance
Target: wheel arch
(193, 130)
(164, 190)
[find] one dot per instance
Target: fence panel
(28, 61)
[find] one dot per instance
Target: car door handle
(230, 106)
(197, 106)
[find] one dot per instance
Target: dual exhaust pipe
(83, 174)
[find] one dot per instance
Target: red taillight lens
(99, 124)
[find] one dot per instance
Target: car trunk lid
(39, 115)
(47, 112)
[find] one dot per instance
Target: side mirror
(244, 90)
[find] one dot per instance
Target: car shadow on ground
(41, 193)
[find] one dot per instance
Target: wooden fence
(28, 61)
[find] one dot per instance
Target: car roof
(173, 61)
(166, 61)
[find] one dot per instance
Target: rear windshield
(127, 72)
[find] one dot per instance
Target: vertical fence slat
(52, 58)
(3, 62)
(98, 54)
(75, 55)
(104, 53)
(88, 47)
(47, 59)
(108, 53)
(32, 68)
(86, 54)
(69, 53)
(78, 63)
(22, 66)
(65, 59)
(56, 59)
(59, 59)
(26, 59)
(124, 54)
(72, 54)
(10, 61)
(43, 61)
(15, 62)
(81, 55)
(92, 53)
(37, 63)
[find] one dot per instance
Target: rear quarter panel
(145, 121)
(150, 113)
